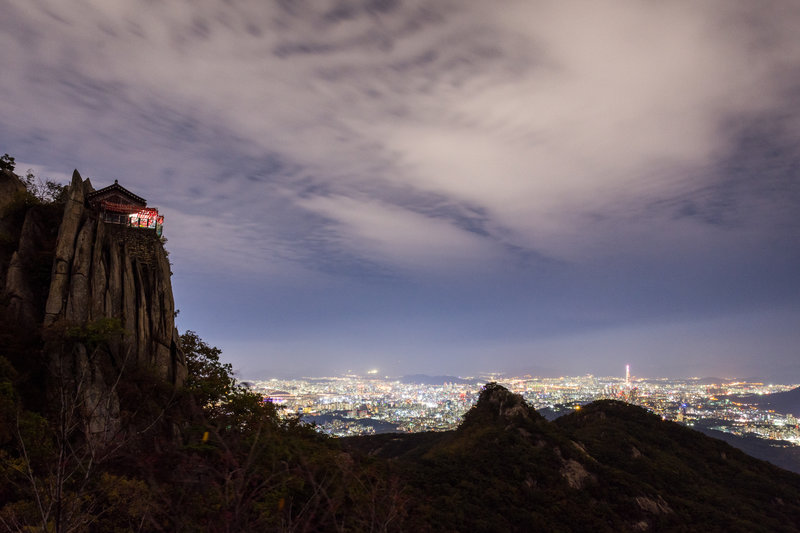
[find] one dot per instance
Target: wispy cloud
(542, 118)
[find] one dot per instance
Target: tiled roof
(116, 187)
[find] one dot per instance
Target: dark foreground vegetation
(214, 457)
(208, 457)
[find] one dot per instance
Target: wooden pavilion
(118, 205)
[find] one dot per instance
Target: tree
(57, 464)
(222, 461)
(47, 191)
(7, 163)
(209, 379)
(254, 470)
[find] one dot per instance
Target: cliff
(99, 294)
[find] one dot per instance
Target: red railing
(139, 217)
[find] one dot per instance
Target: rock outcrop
(96, 273)
(105, 270)
(27, 237)
(498, 405)
(25, 270)
(11, 190)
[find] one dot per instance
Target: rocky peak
(496, 404)
(102, 273)
(11, 187)
(110, 271)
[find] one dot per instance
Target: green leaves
(209, 380)
(96, 333)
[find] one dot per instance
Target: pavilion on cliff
(118, 205)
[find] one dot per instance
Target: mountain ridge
(787, 402)
(608, 466)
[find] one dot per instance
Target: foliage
(7, 162)
(47, 191)
(96, 333)
(209, 379)
(254, 470)
(37, 192)
(8, 398)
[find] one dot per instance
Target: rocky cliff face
(99, 271)
(27, 238)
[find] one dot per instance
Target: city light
(359, 405)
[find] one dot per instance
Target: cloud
(387, 234)
(615, 164)
(544, 119)
(627, 105)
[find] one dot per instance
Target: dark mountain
(609, 466)
(378, 426)
(711, 380)
(778, 452)
(783, 402)
(425, 379)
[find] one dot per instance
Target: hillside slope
(783, 402)
(607, 467)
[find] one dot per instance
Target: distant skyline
(441, 187)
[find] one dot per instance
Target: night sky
(441, 186)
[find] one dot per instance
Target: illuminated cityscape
(357, 405)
